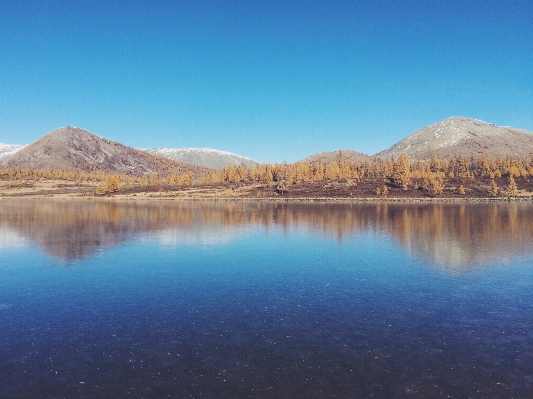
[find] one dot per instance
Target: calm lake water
(237, 300)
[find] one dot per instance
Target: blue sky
(272, 80)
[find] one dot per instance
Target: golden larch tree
(401, 172)
(512, 189)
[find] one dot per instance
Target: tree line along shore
(479, 177)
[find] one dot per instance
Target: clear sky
(272, 80)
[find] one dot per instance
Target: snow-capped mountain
(206, 157)
(6, 150)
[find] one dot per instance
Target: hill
(459, 135)
(7, 150)
(331, 156)
(205, 157)
(74, 148)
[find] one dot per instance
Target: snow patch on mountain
(197, 151)
(207, 157)
(461, 135)
(7, 150)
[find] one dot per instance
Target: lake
(255, 299)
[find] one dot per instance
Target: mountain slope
(206, 157)
(74, 148)
(7, 150)
(331, 156)
(459, 135)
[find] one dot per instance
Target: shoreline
(67, 197)
(328, 193)
(365, 190)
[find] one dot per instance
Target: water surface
(224, 299)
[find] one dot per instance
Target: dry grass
(363, 190)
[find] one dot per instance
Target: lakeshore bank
(328, 193)
(141, 198)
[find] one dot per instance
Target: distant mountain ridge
(331, 156)
(459, 135)
(205, 157)
(75, 148)
(7, 150)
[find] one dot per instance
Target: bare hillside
(206, 157)
(74, 148)
(459, 135)
(332, 156)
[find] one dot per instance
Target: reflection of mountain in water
(456, 236)
(71, 230)
(449, 235)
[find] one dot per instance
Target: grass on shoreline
(342, 190)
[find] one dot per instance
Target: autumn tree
(433, 182)
(484, 165)
(435, 164)
(318, 174)
(387, 167)
(493, 188)
(186, 179)
(332, 171)
(100, 189)
(461, 166)
(154, 179)
(346, 171)
(267, 174)
(512, 189)
(112, 183)
(254, 173)
(401, 171)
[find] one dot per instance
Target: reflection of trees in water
(461, 235)
(450, 235)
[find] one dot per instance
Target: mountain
(332, 156)
(7, 150)
(459, 135)
(206, 157)
(74, 148)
